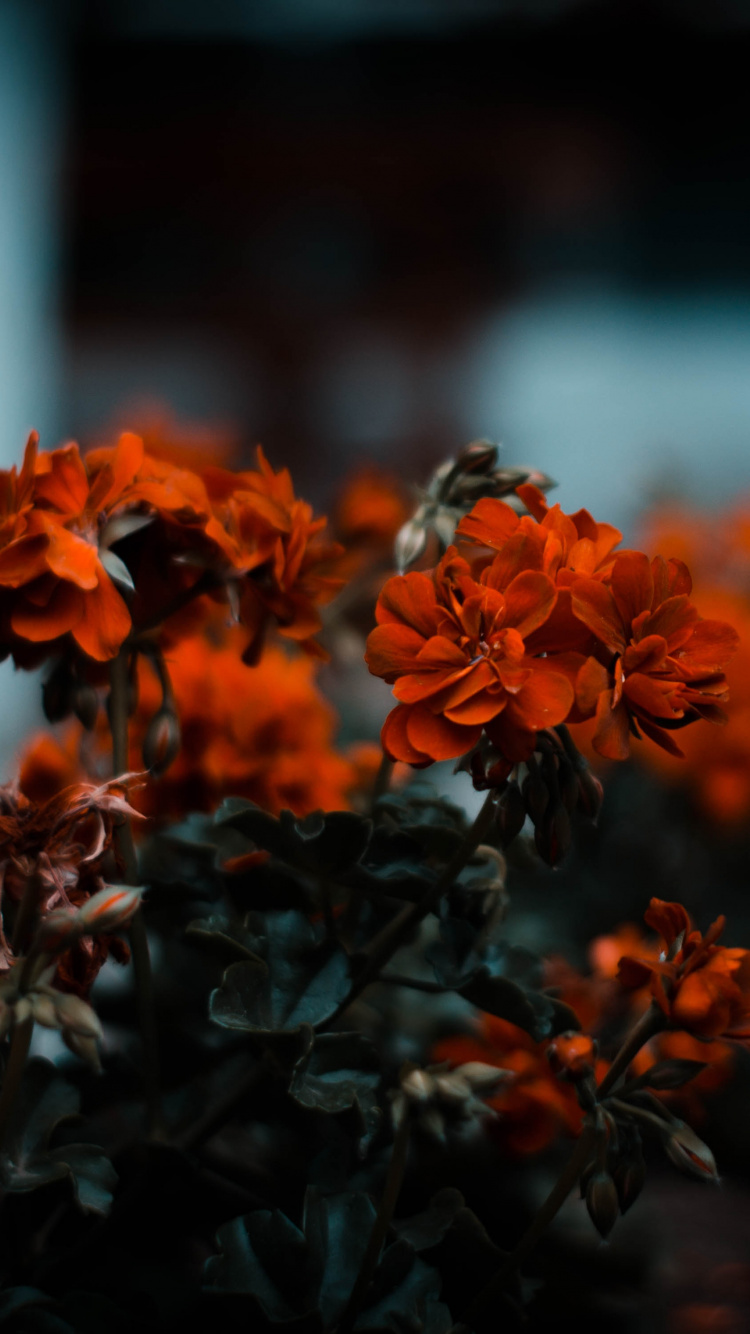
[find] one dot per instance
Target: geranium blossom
(701, 987)
(454, 646)
(657, 665)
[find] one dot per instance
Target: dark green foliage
(33, 1159)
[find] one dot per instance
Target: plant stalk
(19, 1050)
(648, 1025)
(397, 931)
(396, 1169)
(555, 1200)
(125, 849)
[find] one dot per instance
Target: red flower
(657, 665)
(455, 647)
(700, 986)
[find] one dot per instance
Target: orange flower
(455, 648)
(701, 987)
(370, 509)
(535, 1107)
(658, 665)
(265, 734)
(58, 566)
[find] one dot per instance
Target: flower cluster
(531, 621)
(102, 547)
(265, 734)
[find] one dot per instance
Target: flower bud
(511, 814)
(86, 706)
(58, 692)
(417, 1085)
(58, 930)
(44, 1010)
(629, 1178)
(76, 1016)
(554, 834)
(572, 1055)
(688, 1152)
(590, 793)
(484, 1080)
(535, 794)
(161, 743)
(110, 909)
(602, 1202)
(411, 541)
(85, 1048)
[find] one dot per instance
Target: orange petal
(710, 647)
(647, 656)
(544, 701)
(661, 699)
(392, 650)
(62, 481)
(395, 741)
(591, 681)
(69, 556)
(523, 551)
(673, 620)
(435, 736)
(23, 560)
(409, 599)
(612, 735)
(58, 615)
(632, 585)
(593, 604)
(480, 708)
(669, 919)
(529, 600)
(490, 523)
(105, 622)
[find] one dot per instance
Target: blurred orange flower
(535, 1107)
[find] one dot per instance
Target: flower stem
(382, 780)
(648, 1025)
(380, 1227)
(555, 1200)
(19, 1050)
(397, 931)
(125, 849)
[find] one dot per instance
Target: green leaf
(671, 1074)
(321, 843)
(30, 1162)
(301, 979)
(341, 1070)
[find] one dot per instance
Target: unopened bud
(110, 909)
(417, 1085)
(85, 1048)
(161, 743)
(535, 794)
(58, 930)
(688, 1152)
(410, 543)
(602, 1202)
(76, 1016)
(44, 1010)
(572, 1055)
(511, 814)
(590, 793)
(567, 779)
(629, 1178)
(553, 835)
(86, 706)
(484, 1080)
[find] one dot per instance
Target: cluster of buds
(557, 783)
(111, 909)
(453, 490)
(41, 1003)
(438, 1099)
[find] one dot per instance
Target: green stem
(125, 849)
(380, 1227)
(567, 1179)
(382, 780)
(19, 1050)
(398, 930)
(28, 909)
(647, 1027)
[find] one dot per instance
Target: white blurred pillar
(32, 111)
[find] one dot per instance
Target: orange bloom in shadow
(535, 1107)
(455, 648)
(701, 987)
(658, 664)
(370, 509)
